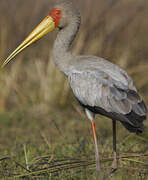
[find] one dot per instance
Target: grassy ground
(41, 143)
(44, 134)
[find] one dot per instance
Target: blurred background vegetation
(115, 30)
(35, 95)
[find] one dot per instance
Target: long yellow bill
(47, 25)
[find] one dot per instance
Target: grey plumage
(96, 89)
(99, 85)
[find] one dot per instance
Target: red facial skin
(56, 15)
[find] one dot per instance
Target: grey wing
(97, 90)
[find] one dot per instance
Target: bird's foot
(114, 165)
(99, 175)
(112, 170)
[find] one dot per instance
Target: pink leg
(98, 167)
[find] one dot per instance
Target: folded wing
(98, 91)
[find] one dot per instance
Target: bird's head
(68, 13)
(59, 17)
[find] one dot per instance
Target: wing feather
(105, 88)
(96, 88)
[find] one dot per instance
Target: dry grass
(30, 90)
(117, 32)
(45, 166)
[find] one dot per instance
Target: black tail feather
(130, 128)
(137, 122)
(136, 125)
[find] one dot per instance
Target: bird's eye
(58, 12)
